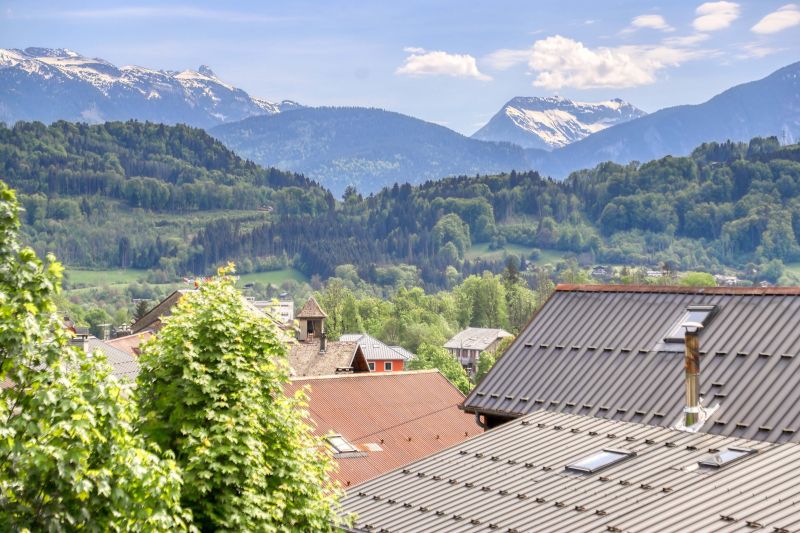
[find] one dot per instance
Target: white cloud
(785, 17)
(654, 22)
(438, 63)
(713, 16)
(756, 50)
(505, 58)
(562, 62)
(686, 40)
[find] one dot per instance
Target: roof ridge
(311, 309)
(366, 375)
(678, 289)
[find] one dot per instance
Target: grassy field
(482, 251)
(97, 278)
(276, 277)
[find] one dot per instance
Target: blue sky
(450, 62)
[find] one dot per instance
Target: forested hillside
(174, 200)
(134, 194)
(727, 205)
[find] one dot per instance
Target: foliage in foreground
(69, 457)
(210, 390)
(430, 356)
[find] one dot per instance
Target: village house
(726, 281)
(601, 272)
(282, 310)
(617, 352)
(467, 345)
(380, 357)
(310, 354)
(376, 422)
(560, 472)
(621, 408)
(314, 355)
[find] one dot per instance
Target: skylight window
(340, 444)
(599, 460)
(725, 457)
(694, 313)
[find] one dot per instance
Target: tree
(429, 356)
(482, 302)
(697, 279)
(211, 392)
(142, 306)
(69, 457)
(486, 360)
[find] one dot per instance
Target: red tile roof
(407, 415)
(130, 343)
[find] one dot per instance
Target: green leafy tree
(698, 279)
(69, 457)
(482, 302)
(429, 356)
(486, 360)
(211, 392)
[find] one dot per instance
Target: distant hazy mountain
(368, 148)
(51, 84)
(770, 106)
(553, 122)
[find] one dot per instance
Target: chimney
(323, 342)
(692, 372)
(81, 340)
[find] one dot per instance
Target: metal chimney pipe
(692, 372)
(323, 342)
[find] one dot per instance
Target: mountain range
(373, 148)
(553, 122)
(367, 148)
(766, 107)
(50, 84)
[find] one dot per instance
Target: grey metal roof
(476, 338)
(593, 350)
(374, 349)
(123, 364)
(402, 351)
(513, 479)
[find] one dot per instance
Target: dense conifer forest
(172, 199)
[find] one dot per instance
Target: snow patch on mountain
(100, 90)
(553, 122)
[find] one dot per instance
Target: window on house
(387, 366)
(694, 313)
(371, 366)
(725, 457)
(340, 444)
(599, 460)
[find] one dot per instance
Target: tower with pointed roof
(312, 321)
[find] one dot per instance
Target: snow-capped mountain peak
(57, 83)
(553, 121)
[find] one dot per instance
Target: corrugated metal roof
(375, 350)
(395, 417)
(123, 364)
(402, 351)
(594, 351)
(513, 479)
(476, 338)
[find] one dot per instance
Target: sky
(454, 63)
